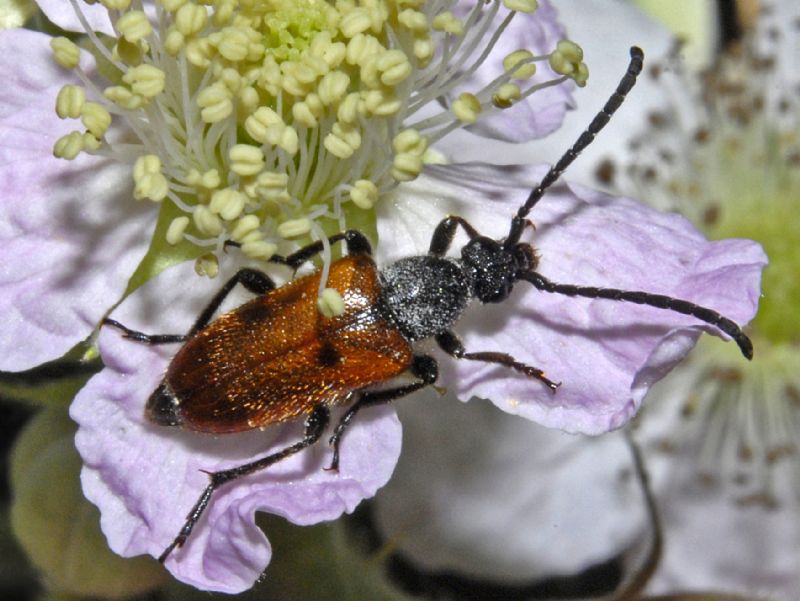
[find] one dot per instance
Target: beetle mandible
(301, 363)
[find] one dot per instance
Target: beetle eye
(526, 257)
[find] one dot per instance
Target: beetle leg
(424, 367)
(451, 345)
(316, 423)
(253, 280)
(445, 232)
(355, 241)
(145, 338)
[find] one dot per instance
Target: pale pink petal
(606, 354)
(71, 233)
(63, 14)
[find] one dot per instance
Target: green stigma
(290, 26)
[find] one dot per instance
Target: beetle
(276, 358)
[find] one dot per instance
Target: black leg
(443, 234)
(355, 241)
(316, 423)
(253, 280)
(424, 367)
(651, 300)
(145, 338)
(451, 345)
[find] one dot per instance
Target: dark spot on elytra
(328, 356)
(255, 312)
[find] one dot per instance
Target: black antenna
(598, 123)
(652, 300)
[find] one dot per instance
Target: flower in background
(720, 434)
(724, 437)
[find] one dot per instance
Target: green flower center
(760, 201)
(272, 122)
(291, 25)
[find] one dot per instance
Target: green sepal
(161, 254)
(54, 383)
(57, 527)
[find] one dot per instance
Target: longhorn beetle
(299, 363)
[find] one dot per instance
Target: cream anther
(116, 4)
(448, 23)
(364, 194)
(289, 140)
(259, 249)
(394, 67)
(68, 146)
(65, 52)
(333, 53)
(406, 166)
(330, 303)
(134, 26)
(272, 184)
(199, 52)
(467, 107)
(381, 102)
(413, 20)
(176, 230)
(523, 6)
(362, 48)
(90, 142)
(69, 101)
(227, 203)
(506, 95)
(350, 108)
(207, 265)
(355, 22)
(146, 164)
(232, 43)
(293, 228)
(174, 41)
(190, 19)
(122, 96)
(215, 102)
(518, 64)
(207, 222)
(172, 5)
(338, 147)
(249, 99)
(246, 160)
(303, 115)
(259, 122)
(423, 50)
(333, 87)
(409, 140)
(96, 118)
(149, 182)
(145, 80)
(567, 59)
(245, 225)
